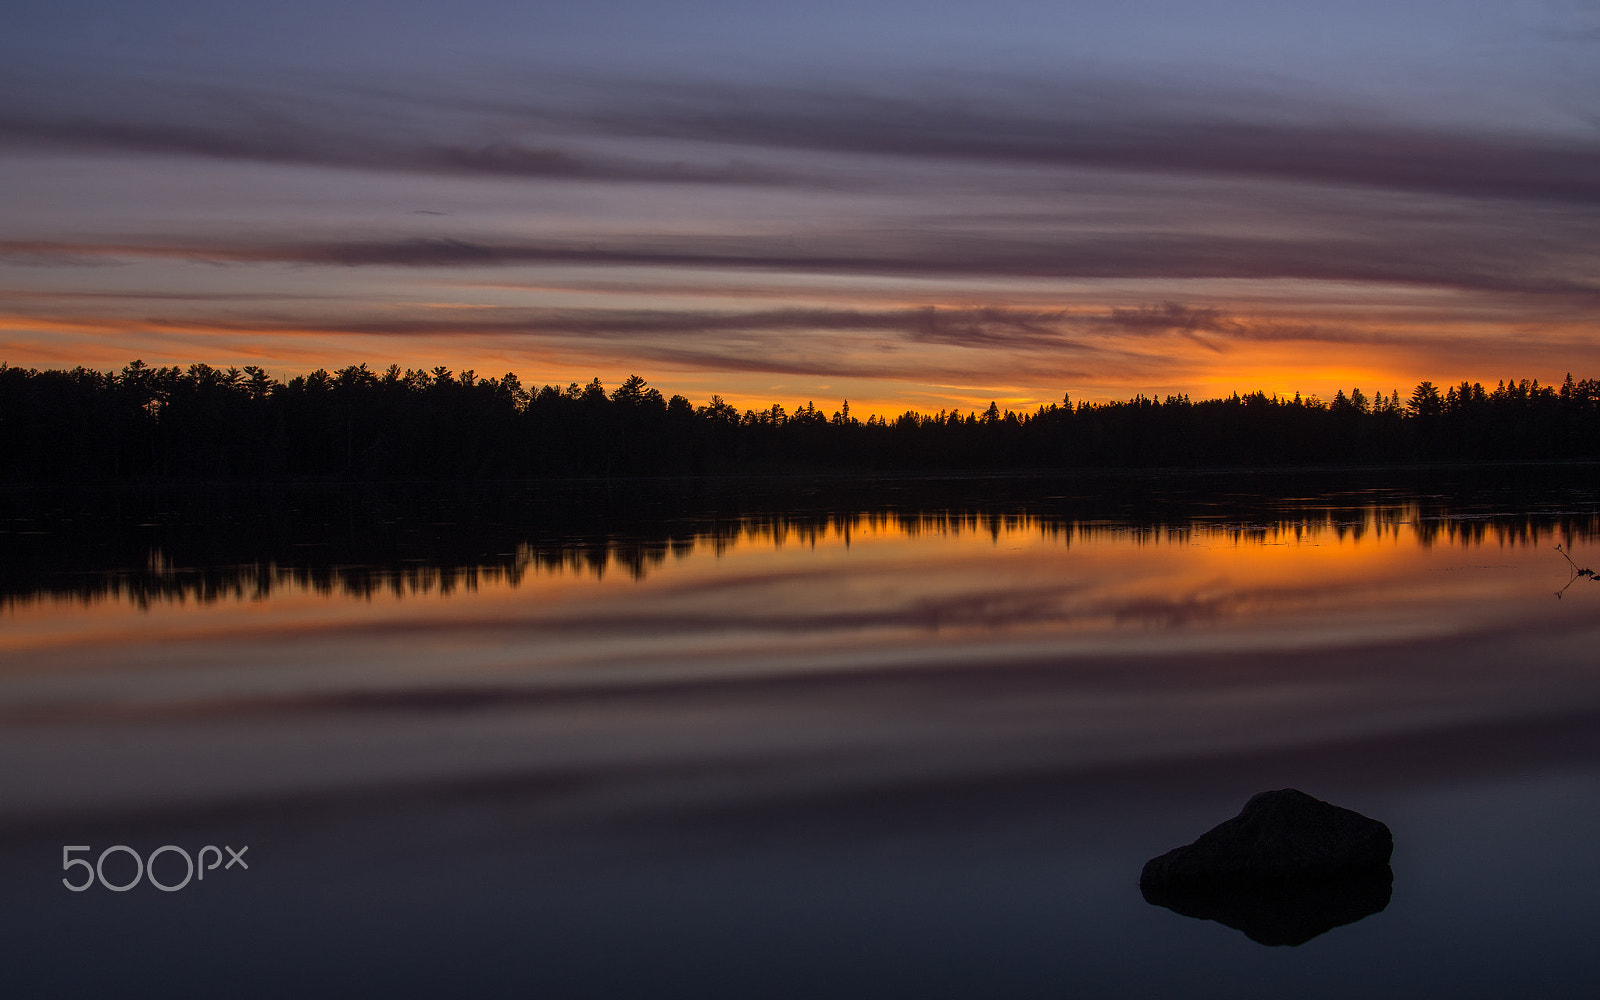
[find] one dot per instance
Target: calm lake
(907, 738)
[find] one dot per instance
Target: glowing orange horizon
(930, 382)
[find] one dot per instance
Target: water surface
(919, 743)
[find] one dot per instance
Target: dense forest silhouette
(210, 424)
(158, 542)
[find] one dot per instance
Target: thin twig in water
(1577, 571)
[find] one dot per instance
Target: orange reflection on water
(853, 580)
(904, 643)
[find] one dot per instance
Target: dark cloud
(1169, 316)
(1104, 128)
(814, 341)
(1192, 322)
(818, 342)
(1492, 261)
(743, 134)
(313, 145)
(123, 296)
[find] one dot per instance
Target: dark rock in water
(1283, 913)
(1280, 836)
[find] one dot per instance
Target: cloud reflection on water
(772, 655)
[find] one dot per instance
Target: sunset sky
(906, 204)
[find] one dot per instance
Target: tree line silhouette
(168, 541)
(210, 424)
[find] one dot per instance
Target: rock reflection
(1282, 913)
(1287, 868)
